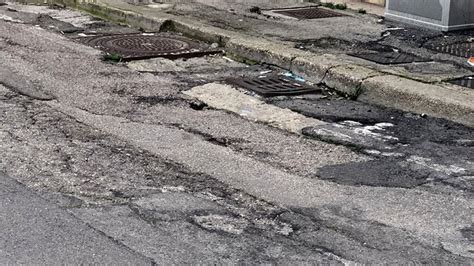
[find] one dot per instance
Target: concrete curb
(362, 83)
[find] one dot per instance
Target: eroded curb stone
(374, 86)
(446, 101)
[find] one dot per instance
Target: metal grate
(309, 13)
(467, 82)
(274, 86)
(141, 46)
(390, 58)
(461, 49)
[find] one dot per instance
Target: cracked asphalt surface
(172, 180)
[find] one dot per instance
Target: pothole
(223, 223)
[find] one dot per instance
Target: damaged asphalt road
(173, 180)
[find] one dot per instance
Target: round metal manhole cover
(139, 46)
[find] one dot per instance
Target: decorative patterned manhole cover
(461, 49)
(274, 86)
(467, 82)
(390, 58)
(141, 46)
(308, 13)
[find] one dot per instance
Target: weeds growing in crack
(331, 5)
(112, 57)
(168, 26)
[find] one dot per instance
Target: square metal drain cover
(142, 46)
(308, 13)
(274, 86)
(390, 58)
(461, 49)
(467, 82)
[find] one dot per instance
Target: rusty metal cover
(142, 46)
(467, 82)
(309, 13)
(390, 58)
(274, 86)
(461, 49)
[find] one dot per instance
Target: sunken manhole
(461, 49)
(274, 86)
(467, 82)
(390, 58)
(308, 13)
(142, 46)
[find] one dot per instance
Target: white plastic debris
(228, 59)
(10, 19)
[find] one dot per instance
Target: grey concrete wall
(431, 9)
(461, 12)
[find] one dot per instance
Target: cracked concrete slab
(227, 98)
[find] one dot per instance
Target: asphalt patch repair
(407, 150)
(385, 172)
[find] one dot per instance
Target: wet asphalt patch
(408, 149)
(332, 110)
(382, 172)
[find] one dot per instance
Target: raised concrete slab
(225, 97)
